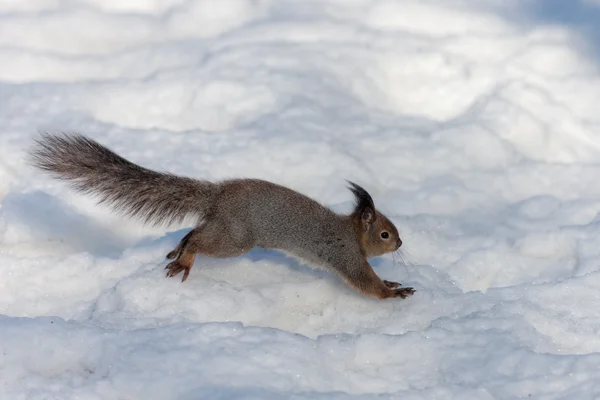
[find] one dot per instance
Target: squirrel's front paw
(404, 292)
(391, 285)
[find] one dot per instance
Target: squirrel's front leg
(365, 280)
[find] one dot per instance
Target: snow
(473, 125)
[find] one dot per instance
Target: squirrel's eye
(385, 235)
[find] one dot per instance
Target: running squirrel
(233, 216)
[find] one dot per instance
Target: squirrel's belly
(307, 260)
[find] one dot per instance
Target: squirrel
(233, 216)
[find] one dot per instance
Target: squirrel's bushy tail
(154, 197)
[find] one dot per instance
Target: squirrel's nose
(399, 242)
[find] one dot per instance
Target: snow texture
(473, 124)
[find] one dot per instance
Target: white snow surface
(473, 124)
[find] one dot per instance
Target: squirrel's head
(377, 234)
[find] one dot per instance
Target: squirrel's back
(281, 218)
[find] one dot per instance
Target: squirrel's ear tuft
(364, 203)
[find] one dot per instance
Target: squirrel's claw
(404, 292)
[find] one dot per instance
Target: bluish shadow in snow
(580, 16)
(253, 393)
(42, 217)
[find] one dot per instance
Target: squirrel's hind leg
(213, 239)
(176, 253)
(184, 259)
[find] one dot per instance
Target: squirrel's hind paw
(171, 255)
(175, 267)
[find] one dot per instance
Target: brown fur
(233, 216)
